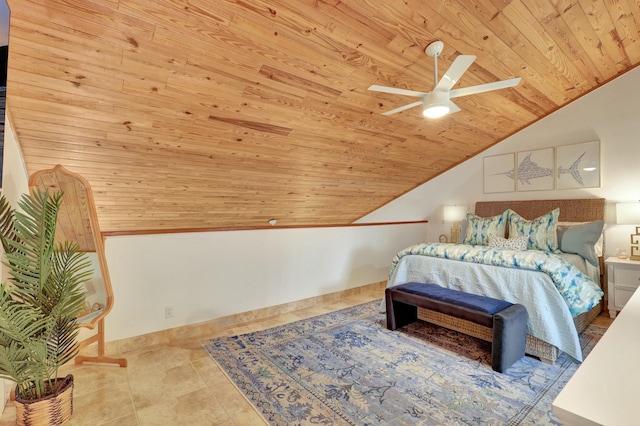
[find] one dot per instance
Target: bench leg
(509, 337)
(399, 314)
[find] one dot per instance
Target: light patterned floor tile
(169, 383)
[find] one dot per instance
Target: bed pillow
(463, 232)
(581, 239)
(517, 243)
(540, 231)
(479, 228)
(599, 246)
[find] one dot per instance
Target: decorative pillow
(581, 239)
(540, 231)
(479, 228)
(518, 243)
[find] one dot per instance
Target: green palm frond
(32, 250)
(43, 296)
(6, 224)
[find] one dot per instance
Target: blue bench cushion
(487, 305)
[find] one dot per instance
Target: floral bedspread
(578, 290)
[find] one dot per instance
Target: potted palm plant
(39, 304)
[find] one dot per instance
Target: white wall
(610, 114)
(15, 181)
(209, 275)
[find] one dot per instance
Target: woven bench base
(535, 347)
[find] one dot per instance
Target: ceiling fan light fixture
(436, 104)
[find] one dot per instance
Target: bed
(554, 322)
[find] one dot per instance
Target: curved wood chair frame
(78, 221)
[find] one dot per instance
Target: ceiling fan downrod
(434, 50)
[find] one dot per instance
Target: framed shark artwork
(499, 173)
(578, 166)
(535, 170)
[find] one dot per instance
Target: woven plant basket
(54, 409)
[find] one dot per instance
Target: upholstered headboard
(575, 210)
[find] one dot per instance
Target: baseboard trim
(218, 325)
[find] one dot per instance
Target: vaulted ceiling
(200, 114)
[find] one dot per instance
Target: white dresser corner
(605, 388)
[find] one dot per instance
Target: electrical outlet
(168, 311)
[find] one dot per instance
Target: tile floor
(171, 384)
(176, 383)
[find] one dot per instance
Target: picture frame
(499, 173)
(578, 166)
(535, 170)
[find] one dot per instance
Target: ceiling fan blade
(402, 108)
(453, 108)
(396, 91)
(465, 91)
(455, 71)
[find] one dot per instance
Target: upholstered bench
(507, 320)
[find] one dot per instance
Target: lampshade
(436, 104)
(628, 213)
(454, 213)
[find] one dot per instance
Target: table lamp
(453, 215)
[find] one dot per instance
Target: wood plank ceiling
(190, 114)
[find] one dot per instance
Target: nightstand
(623, 278)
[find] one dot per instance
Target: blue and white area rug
(346, 368)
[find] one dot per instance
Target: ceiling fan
(437, 103)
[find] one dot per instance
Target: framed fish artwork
(535, 170)
(499, 173)
(578, 165)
